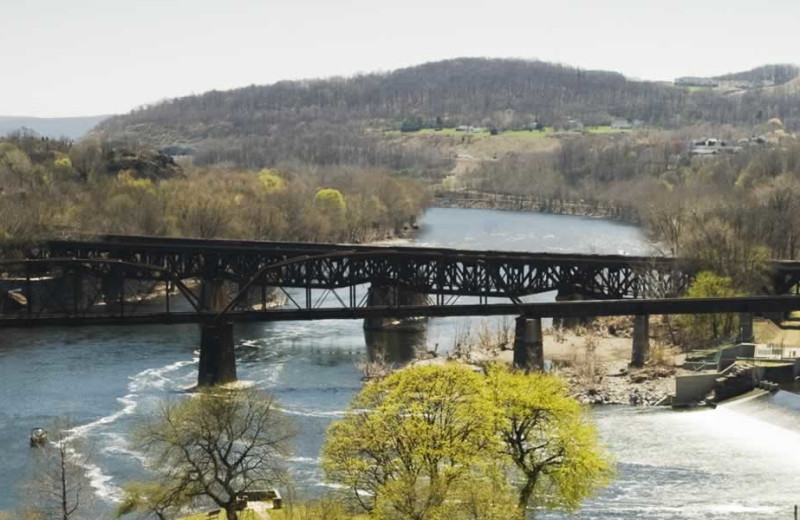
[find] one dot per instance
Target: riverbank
(594, 361)
(505, 202)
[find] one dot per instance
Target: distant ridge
(340, 120)
(54, 127)
(776, 74)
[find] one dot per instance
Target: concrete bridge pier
(746, 327)
(528, 345)
(385, 295)
(212, 294)
(113, 288)
(641, 340)
(217, 360)
(572, 295)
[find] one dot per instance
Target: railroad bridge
(123, 279)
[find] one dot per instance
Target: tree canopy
(423, 442)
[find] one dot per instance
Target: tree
(151, 499)
(409, 441)
(546, 435)
(60, 489)
(330, 200)
(271, 180)
(706, 327)
(214, 447)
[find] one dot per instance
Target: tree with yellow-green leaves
(330, 200)
(444, 442)
(702, 328)
(271, 180)
(548, 437)
(411, 440)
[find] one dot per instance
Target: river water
(738, 461)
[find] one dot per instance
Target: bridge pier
(217, 359)
(572, 322)
(212, 294)
(746, 327)
(113, 288)
(528, 345)
(641, 340)
(384, 295)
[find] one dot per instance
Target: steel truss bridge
(142, 279)
(136, 280)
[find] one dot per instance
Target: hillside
(54, 127)
(777, 74)
(339, 120)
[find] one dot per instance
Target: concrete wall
(694, 387)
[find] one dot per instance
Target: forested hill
(770, 74)
(333, 120)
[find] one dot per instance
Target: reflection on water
(736, 462)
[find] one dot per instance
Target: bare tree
(59, 488)
(215, 447)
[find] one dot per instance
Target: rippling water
(733, 462)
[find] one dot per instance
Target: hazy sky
(83, 57)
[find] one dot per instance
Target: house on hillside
(712, 147)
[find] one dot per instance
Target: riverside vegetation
(439, 442)
(56, 187)
(428, 442)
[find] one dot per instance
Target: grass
(514, 134)
(452, 132)
(301, 512)
(606, 130)
(247, 514)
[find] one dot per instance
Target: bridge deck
(626, 307)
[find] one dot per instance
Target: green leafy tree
(271, 181)
(214, 447)
(330, 200)
(702, 328)
(444, 442)
(410, 441)
(548, 438)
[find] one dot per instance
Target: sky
(87, 57)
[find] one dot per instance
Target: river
(735, 462)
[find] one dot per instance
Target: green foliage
(271, 180)
(66, 190)
(411, 124)
(410, 439)
(148, 499)
(330, 200)
(704, 328)
(325, 508)
(440, 441)
(548, 437)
